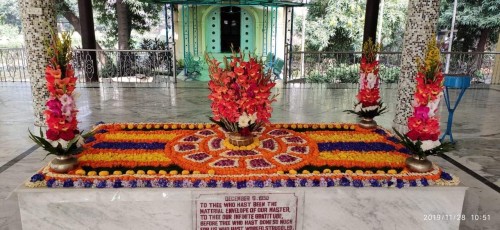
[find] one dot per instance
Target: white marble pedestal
(317, 208)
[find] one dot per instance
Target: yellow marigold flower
(316, 172)
(346, 126)
(151, 172)
(404, 171)
(285, 126)
(353, 127)
(305, 172)
(359, 172)
(322, 126)
(140, 126)
(300, 126)
(278, 126)
(80, 172)
(293, 172)
(368, 172)
(280, 172)
(315, 126)
(196, 172)
(208, 126)
(327, 171)
(392, 171)
(165, 126)
(293, 126)
(162, 172)
(117, 172)
(157, 126)
(185, 172)
(336, 171)
(123, 126)
(149, 126)
(330, 126)
(191, 126)
(338, 126)
(200, 126)
(103, 173)
(380, 172)
(141, 172)
(349, 172)
(130, 172)
(306, 126)
(174, 126)
(211, 172)
(91, 173)
(173, 172)
(130, 126)
(183, 126)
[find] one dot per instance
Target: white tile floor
(476, 128)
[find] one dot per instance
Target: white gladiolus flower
(253, 118)
(80, 141)
(63, 143)
(433, 106)
(372, 79)
(370, 108)
(358, 107)
(244, 120)
(428, 145)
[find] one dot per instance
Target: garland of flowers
(369, 102)
(240, 94)
(423, 135)
(63, 136)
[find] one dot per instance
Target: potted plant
(422, 138)
(62, 137)
(369, 103)
(241, 96)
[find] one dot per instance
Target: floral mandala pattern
(279, 149)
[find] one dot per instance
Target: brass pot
(415, 164)
(237, 139)
(63, 163)
(368, 123)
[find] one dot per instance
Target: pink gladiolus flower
(422, 112)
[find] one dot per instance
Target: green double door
(229, 26)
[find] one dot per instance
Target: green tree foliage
(139, 17)
(337, 25)
(477, 22)
(9, 14)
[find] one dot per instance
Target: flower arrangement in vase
(369, 103)
(62, 137)
(422, 138)
(241, 96)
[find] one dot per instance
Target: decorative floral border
(277, 178)
(45, 178)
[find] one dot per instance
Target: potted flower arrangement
(241, 96)
(422, 138)
(369, 103)
(62, 137)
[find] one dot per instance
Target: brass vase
(415, 164)
(368, 123)
(63, 163)
(237, 139)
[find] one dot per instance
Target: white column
(420, 27)
(38, 19)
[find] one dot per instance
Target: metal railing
(154, 67)
(113, 66)
(343, 67)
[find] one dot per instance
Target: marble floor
(476, 129)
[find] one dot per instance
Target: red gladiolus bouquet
(63, 136)
(369, 103)
(423, 135)
(240, 93)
